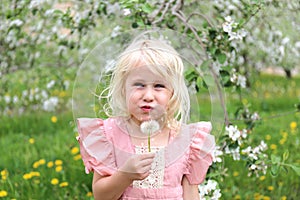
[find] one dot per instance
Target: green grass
(272, 97)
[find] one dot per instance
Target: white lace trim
(156, 176)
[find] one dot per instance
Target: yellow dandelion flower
(267, 95)
(35, 174)
(31, 140)
(36, 165)
(284, 134)
(42, 161)
(54, 181)
(237, 197)
(282, 141)
(271, 188)
(27, 176)
(3, 177)
(62, 94)
(58, 162)
(293, 125)
(4, 172)
(63, 184)
(235, 173)
(266, 198)
(3, 193)
(262, 178)
(74, 150)
(89, 194)
(268, 137)
(257, 196)
(58, 168)
(77, 157)
(283, 198)
(245, 101)
(273, 146)
(53, 119)
(50, 164)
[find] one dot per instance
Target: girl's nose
(148, 95)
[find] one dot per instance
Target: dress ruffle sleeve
(96, 150)
(201, 149)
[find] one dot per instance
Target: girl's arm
(112, 187)
(190, 192)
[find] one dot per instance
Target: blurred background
(248, 50)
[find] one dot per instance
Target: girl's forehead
(144, 72)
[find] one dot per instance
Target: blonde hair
(163, 60)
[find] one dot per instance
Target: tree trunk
(288, 73)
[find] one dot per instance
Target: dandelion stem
(149, 148)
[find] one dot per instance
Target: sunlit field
(40, 155)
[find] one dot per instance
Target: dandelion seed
(54, 181)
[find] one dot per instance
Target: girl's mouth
(146, 108)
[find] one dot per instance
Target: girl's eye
(159, 86)
(138, 85)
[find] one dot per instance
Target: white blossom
(241, 81)
(16, 22)
(216, 154)
(50, 84)
(50, 104)
(116, 31)
(126, 12)
(7, 98)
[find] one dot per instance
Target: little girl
(147, 85)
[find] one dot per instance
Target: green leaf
(199, 82)
(296, 169)
(275, 170)
(147, 8)
(275, 159)
(209, 80)
(285, 155)
(205, 65)
(221, 58)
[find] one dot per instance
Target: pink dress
(105, 145)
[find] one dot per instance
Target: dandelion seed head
(150, 126)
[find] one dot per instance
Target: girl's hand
(138, 166)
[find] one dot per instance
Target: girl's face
(147, 94)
